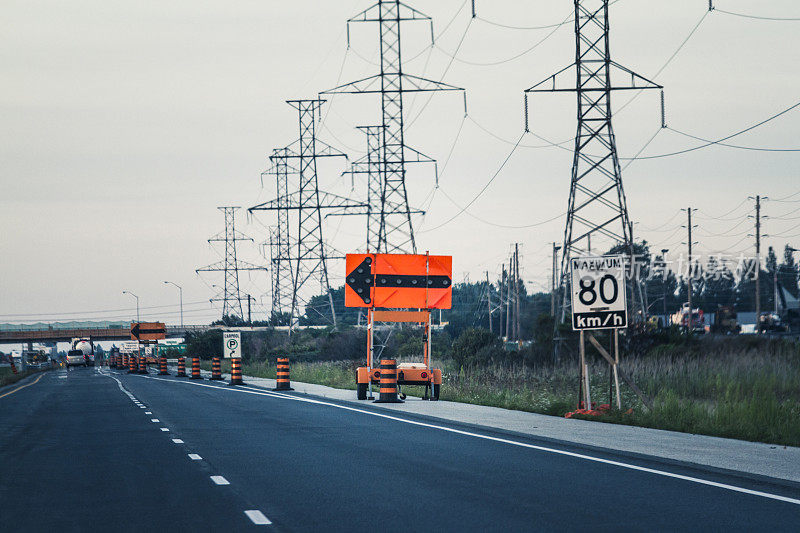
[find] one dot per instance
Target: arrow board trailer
(407, 287)
(598, 293)
(232, 344)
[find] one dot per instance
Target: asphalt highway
(101, 450)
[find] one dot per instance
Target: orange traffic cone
(181, 367)
(236, 371)
(388, 383)
(282, 382)
(196, 368)
(216, 369)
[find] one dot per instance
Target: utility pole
(489, 299)
(516, 292)
(664, 282)
(396, 232)
(230, 297)
(553, 284)
(503, 290)
(690, 274)
(508, 298)
(758, 199)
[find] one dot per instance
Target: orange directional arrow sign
(148, 331)
(402, 281)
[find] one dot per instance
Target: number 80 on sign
(598, 292)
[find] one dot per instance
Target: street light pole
(138, 319)
(180, 292)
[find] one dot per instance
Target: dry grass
(733, 388)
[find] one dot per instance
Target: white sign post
(598, 293)
(232, 344)
(598, 302)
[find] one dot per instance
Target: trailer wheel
(435, 393)
(361, 391)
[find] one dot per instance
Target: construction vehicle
(407, 373)
(695, 324)
(726, 321)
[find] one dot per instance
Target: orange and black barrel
(115, 361)
(125, 362)
(216, 369)
(388, 382)
(13, 366)
(133, 364)
(196, 368)
(181, 367)
(162, 366)
(143, 365)
(282, 382)
(236, 371)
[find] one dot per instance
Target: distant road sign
(399, 281)
(232, 344)
(148, 331)
(598, 293)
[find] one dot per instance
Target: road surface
(97, 449)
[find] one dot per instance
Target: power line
(711, 143)
(752, 148)
(486, 186)
(757, 17)
(453, 55)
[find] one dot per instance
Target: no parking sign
(232, 344)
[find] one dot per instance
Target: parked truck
(682, 318)
(726, 321)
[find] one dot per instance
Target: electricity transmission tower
(307, 257)
(281, 280)
(597, 209)
(230, 297)
(395, 232)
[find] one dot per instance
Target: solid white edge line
(576, 455)
(195, 457)
(219, 480)
(257, 517)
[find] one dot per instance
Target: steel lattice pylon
(597, 206)
(282, 283)
(230, 296)
(302, 255)
(395, 228)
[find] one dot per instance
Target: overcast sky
(125, 124)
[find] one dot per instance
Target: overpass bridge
(23, 334)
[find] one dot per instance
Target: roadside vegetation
(8, 377)
(742, 387)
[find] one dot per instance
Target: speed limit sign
(598, 292)
(232, 344)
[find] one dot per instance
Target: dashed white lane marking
(177, 441)
(194, 457)
(164, 429)
(566, 453)
(219, 480)
(62, 377)
(257, 517)
(155, 420)
(148, 412)
(142, 407)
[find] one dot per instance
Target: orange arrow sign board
(399, 281)
(148, 331)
